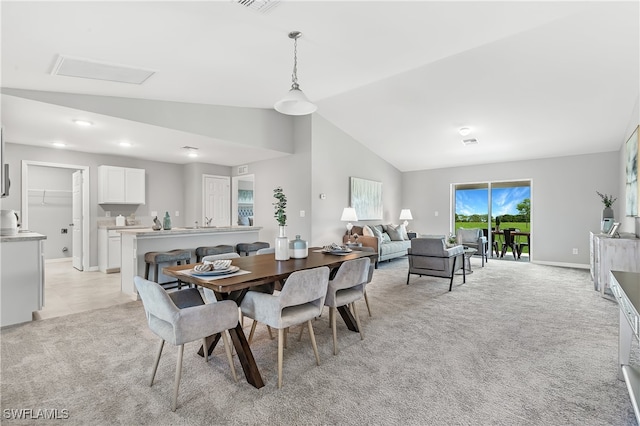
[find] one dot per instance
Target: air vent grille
(86, 68)
(472, 141)
(262, 6)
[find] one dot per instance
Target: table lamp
(348, 215)
(405, 214)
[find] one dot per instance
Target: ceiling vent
(85, 68)
(472, 141)
(262, 6)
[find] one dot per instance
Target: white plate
(339, 252)
(229, 270)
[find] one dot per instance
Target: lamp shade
(295, 102)
(405, 214)
(349, 214)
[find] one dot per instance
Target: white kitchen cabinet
(121, 185)
(21, 277)
(108, 250)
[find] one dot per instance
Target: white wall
(565, 206)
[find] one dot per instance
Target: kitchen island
(21, 277)
(136, 242)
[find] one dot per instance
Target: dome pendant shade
(295, 103)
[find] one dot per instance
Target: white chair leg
(227, 349)
(205, 349)
(332, 314)
(313, 342)
(176, 386)
(355, 314)
(155, 365)
(280, 355)
(253, 330)
(366, 300)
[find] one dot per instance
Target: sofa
(389, 241)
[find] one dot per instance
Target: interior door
(76, 240)
(217, 204)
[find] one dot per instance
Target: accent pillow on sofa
(367, 231)
(395, 232)
(377, 231)
(385, 237)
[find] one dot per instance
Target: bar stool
(247, 248)
(208, 251)
(156, 257)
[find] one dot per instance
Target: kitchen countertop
(142, 232)
(22, 236)
(112, 227)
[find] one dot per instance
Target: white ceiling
(531, 79)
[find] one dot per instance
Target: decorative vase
(607, 213)
(282, 245)
(167, 221)
(298, 248)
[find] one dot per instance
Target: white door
(76, 240)
(217, 204)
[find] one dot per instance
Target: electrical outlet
(575, 251)
(302, 213)
(107, 213)
(435, 213)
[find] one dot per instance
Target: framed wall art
(366, 198)
(632, 147)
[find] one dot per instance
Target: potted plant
(282, 242)
(608, 201)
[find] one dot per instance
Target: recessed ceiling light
(191, 151)
(464, 131)
(83, 123)
(59, 144)
(125, 144)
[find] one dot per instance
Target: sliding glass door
(491, 205)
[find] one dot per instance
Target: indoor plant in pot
(607, 200)
(282, 242)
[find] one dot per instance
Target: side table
(468, 252)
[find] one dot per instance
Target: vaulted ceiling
(530, 79)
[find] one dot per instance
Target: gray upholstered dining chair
(300, 300)
(372, 267)
(181, 317)
(268, 250)
(430, 256)
(344, 290)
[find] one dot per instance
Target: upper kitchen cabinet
(120, 185)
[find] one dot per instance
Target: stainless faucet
(207, 221)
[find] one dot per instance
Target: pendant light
(295, 102)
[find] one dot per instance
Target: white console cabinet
(121, 185)
(612, 254)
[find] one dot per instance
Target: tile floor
(69, 291)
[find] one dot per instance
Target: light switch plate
(177, 213)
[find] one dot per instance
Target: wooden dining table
(254, 271)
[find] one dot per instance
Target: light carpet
(518, 344)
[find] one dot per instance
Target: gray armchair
(474, 238)
(182, 317)
(431, 257)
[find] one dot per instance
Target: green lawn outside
(522, 226)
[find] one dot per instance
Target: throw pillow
(385, 237)
(377, 231)
(395, 232)
(243, 221)
(367, 231)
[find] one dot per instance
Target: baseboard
(93, 269)
(59, 260)
(563, 264)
